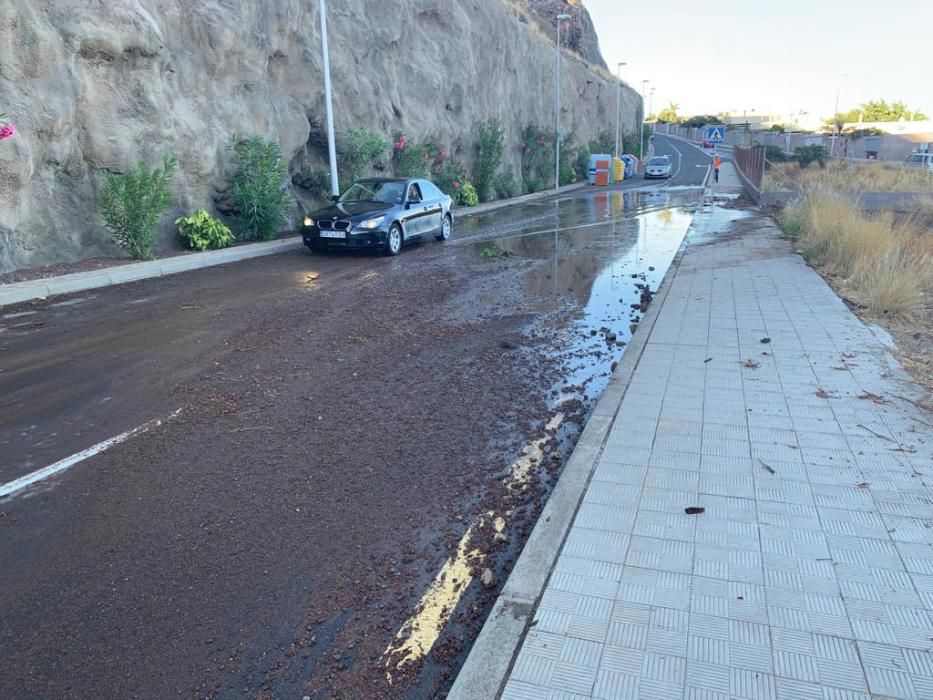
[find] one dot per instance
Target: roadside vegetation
(259, 187)
(845, 176)
(201, 231)
(132, 203)
(258, 199)
(878, 260)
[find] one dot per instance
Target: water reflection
(603, 253)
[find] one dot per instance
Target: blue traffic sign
(715, 134)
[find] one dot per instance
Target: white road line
(60, 466)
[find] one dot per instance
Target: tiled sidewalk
(810, 573)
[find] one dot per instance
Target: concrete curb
(486, 670)
(521, 199)
(17, 292)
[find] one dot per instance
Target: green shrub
(259, 187)
(358, 152)
(494, 252)
(409, 159)
(201, 231)
(775, 154)
(506, 187)
(537, 147)
(132, 203)
(568, 156)
(466, 194)
(805, 155)
(489, 147)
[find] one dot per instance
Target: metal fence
(751, 163)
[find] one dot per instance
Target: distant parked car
(658, 166)
(707, 144)
(920, 160)
(380, 214)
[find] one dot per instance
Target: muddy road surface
(340, 455)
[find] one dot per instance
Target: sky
(771, 58)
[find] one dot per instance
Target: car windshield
(375, 191)
(658, 161)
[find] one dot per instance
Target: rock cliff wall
(94, 85)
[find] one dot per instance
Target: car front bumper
(657, 173)
(357, 239)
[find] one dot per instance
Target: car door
(433, 198)
(415, 211)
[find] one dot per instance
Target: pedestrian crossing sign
(715, 134)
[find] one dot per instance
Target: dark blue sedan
(381, 214)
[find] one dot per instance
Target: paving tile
(810, 572)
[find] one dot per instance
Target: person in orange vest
(717, 161)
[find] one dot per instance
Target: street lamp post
(560, 18)
(644, 96)
(832, 143)
(331, 145)
(619, 109)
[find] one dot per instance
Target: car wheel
(446, 229)
(394, 240)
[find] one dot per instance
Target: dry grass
(883, 262)
(843, 176)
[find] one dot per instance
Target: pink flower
(456, 185)
(6, 131)
(442, 153)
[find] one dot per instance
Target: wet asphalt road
(342, 418)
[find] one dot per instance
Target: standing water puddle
(604, 271)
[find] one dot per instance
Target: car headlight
(372, 223)
(309, 222)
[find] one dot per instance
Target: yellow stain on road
(531, 456)
(417, 636)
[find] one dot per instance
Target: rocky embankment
(94, 87)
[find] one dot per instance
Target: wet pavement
(364, 444)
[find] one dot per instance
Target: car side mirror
(335, 198)
(408, 204)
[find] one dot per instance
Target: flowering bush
(448, 174)
(6, 130)
(409, 159)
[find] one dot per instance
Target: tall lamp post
(832, 143)
(644, 96)
(331, 145)
(560, 18)
(618, 109)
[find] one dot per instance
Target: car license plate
(333, 234)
